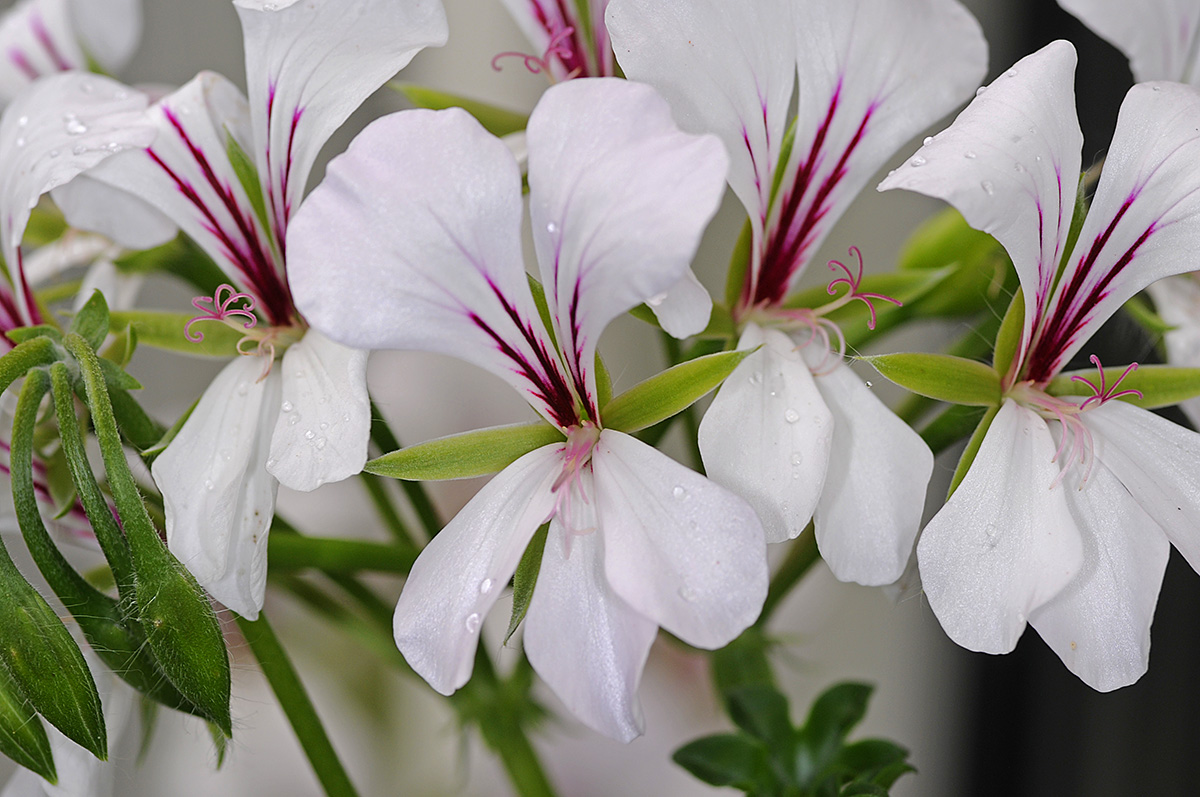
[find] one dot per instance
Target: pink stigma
(853, 283)
(216, 308)
(541, 65)
(1106, 392)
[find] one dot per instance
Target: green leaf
(525, 579)
(739, 264)
(116, 377)
(1139, 309)
(181, 628)
(834, 713)
(497, 121)
(953, 424)
(762, 712)
(726, 760)
(166, 331)
(743, 662)
(151, 453)
(247, 174)
(123, 345)
(22, 735)
(288, 552)
(24, 334)
(1008, 339)
(968, 454)
(461, 456)
(46, 225)
(941, 376)
(92, 320)
(670, 392)
(139, 429)
(181, 257)
(603, 383)
(870, 757)
(982, 271)
(1160, 385)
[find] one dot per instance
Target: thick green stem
(294, 701)
(800, 558)
(296, 551)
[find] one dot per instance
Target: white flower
(1064, 517)
(799, 438)
(430, 258)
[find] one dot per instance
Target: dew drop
(270, 6)
(320, 443)
(324, 425)
(243, 388)
(791, 416)
(485, 586)
(988, 187)
(1018, 168)
(310, 434)
(756, 378)
(472, 622)
(917, 160)
(656, 301)
(78, 149)
(120, 94)
(300, 374)
(293, 419)
(552, 228)
(680, 493)
(1156, 88)
(53, 153)
(208, 485)
(87, 87)
(927, 141)
(1011, 73)
(1015, 138)
(346, 418)
(20, 141)
(286, 406)
(797, 457)
(969, 155)
(868, 385)
(24, 120)
(272, 462)
(687, 593)
(73, 125)
(980, 90)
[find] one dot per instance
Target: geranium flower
(570, 35)
(305, 422)
(792, 430)
(1064, 517)
(429, 257)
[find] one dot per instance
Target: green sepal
(58, 482)
(139, 429)
(124, 344)
(92, 320)
(525, 578)
(46, 224)
(24, 334)
(1008, 338)
(22, 735)
(164, 330)
(180, 625)
(670, 392)
(972, 449)
(1139, 309)
(116, 377)
(1160, 385)
(727, 759)
(181, 257)
(497, 121)
(951, 425)
(981, 273)
(941, 376)
(247, 174)
(151, 453)
(739, 265)
(461, 456)
(603, 382)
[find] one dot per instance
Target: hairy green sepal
(670, 392)
(462, 456)
(941, 376)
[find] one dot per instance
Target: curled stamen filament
(819, 330)
(1082, 445)
(577, 456)
(216, 308)
(853, 284)
(541, 65)
(1106, 392)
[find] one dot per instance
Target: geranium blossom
(304, 421)
(570, 34)
(792, 429)
(1064, 517)
(429, 258)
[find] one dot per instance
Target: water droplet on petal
(87, 87)
(1011, 73)
(868, 383)
(485, 586)
(78, 149)
(797, 457)
(1015, 138)
(293, 419)
(472, 622)
(655, 301)
(271, 463)
(989, 187)
(120, 94)
(791, 416)
(756, 378)
(687, 593)
(208, 485)
(346, 418)
(320, 443)
(680, 493)
(20, 141)
(1018, 168)
(286, 406)
(917, 160)
(969, 155)
(243, 388)
(927, 141)
(552, 228)
(980, 90)
(54, 153)
(226, 455)
(324, 425)
(73, 125)
(270, 6)
(310, 434)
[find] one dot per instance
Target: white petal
(726, 67)
(1010, 164)
(678, 548)
(1006, 542)
(460, 574)
(1158, 36)
(619, 198)
(684, 309)
(38, 38)
(870, 508)
(89, 204)
(768, 433)
(324, 414)
(1145, 212)
(1099, 625)
(70, 251)
(427, 254)
(309, 65)
(1159, 463)
(218, 496)
(1177, 300)
(872, 74)
(63, 126)
(109, 31)
(585, 642)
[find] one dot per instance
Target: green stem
(504, 733)
(294, 701)
(377, 490)
(385, 440)
(296, 551)
(800, 558)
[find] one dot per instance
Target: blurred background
(978, 725)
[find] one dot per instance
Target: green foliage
(1008, 338)
(464, 455)
(163, 330)
(669, 392)
(769, 756)
(91, 322)
(941, 376)
(247, 174)
(497, 121)
(1160, 385)
(22, 735)
(525, 578)
(982, 272)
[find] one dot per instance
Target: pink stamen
(819, 331)
(577, 455)
(853, 283)
(1105, 392)
(215, 308)
(541, 65)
